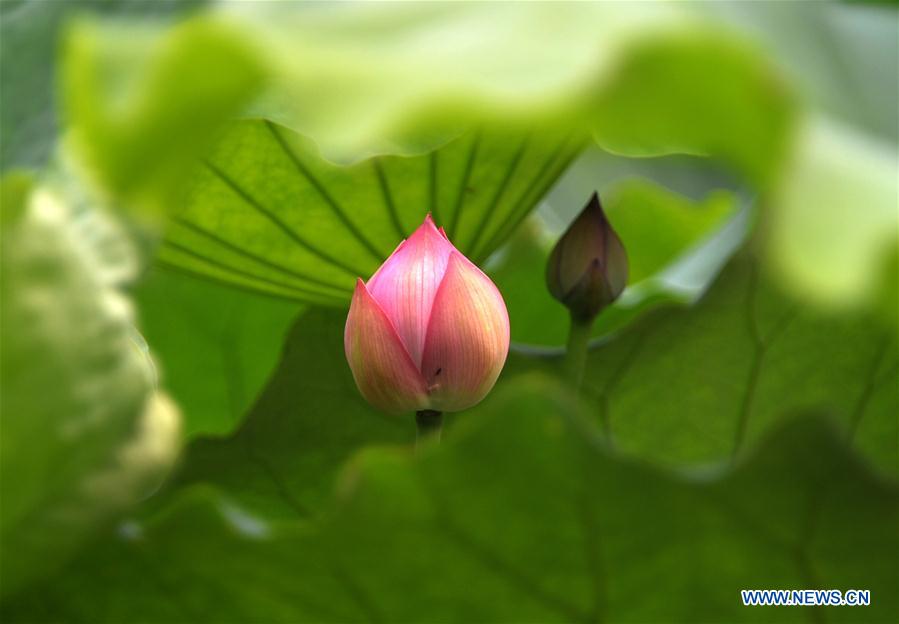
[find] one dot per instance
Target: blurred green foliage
(84, 433)
(228, 168)
(29, 43)
(143, 109)
(719, 99)
(837, 218)
(527, 515)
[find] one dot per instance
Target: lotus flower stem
(576, 353)
(429, 424)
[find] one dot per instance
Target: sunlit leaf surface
(268, 213)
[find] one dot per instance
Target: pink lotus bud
(429, 331)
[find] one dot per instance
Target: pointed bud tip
(593, 208)
(429, 221)
(428, 226)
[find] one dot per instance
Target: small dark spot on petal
(438, 372)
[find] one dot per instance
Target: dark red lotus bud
(587, 269)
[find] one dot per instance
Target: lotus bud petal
(587, 269)
(428, 331)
